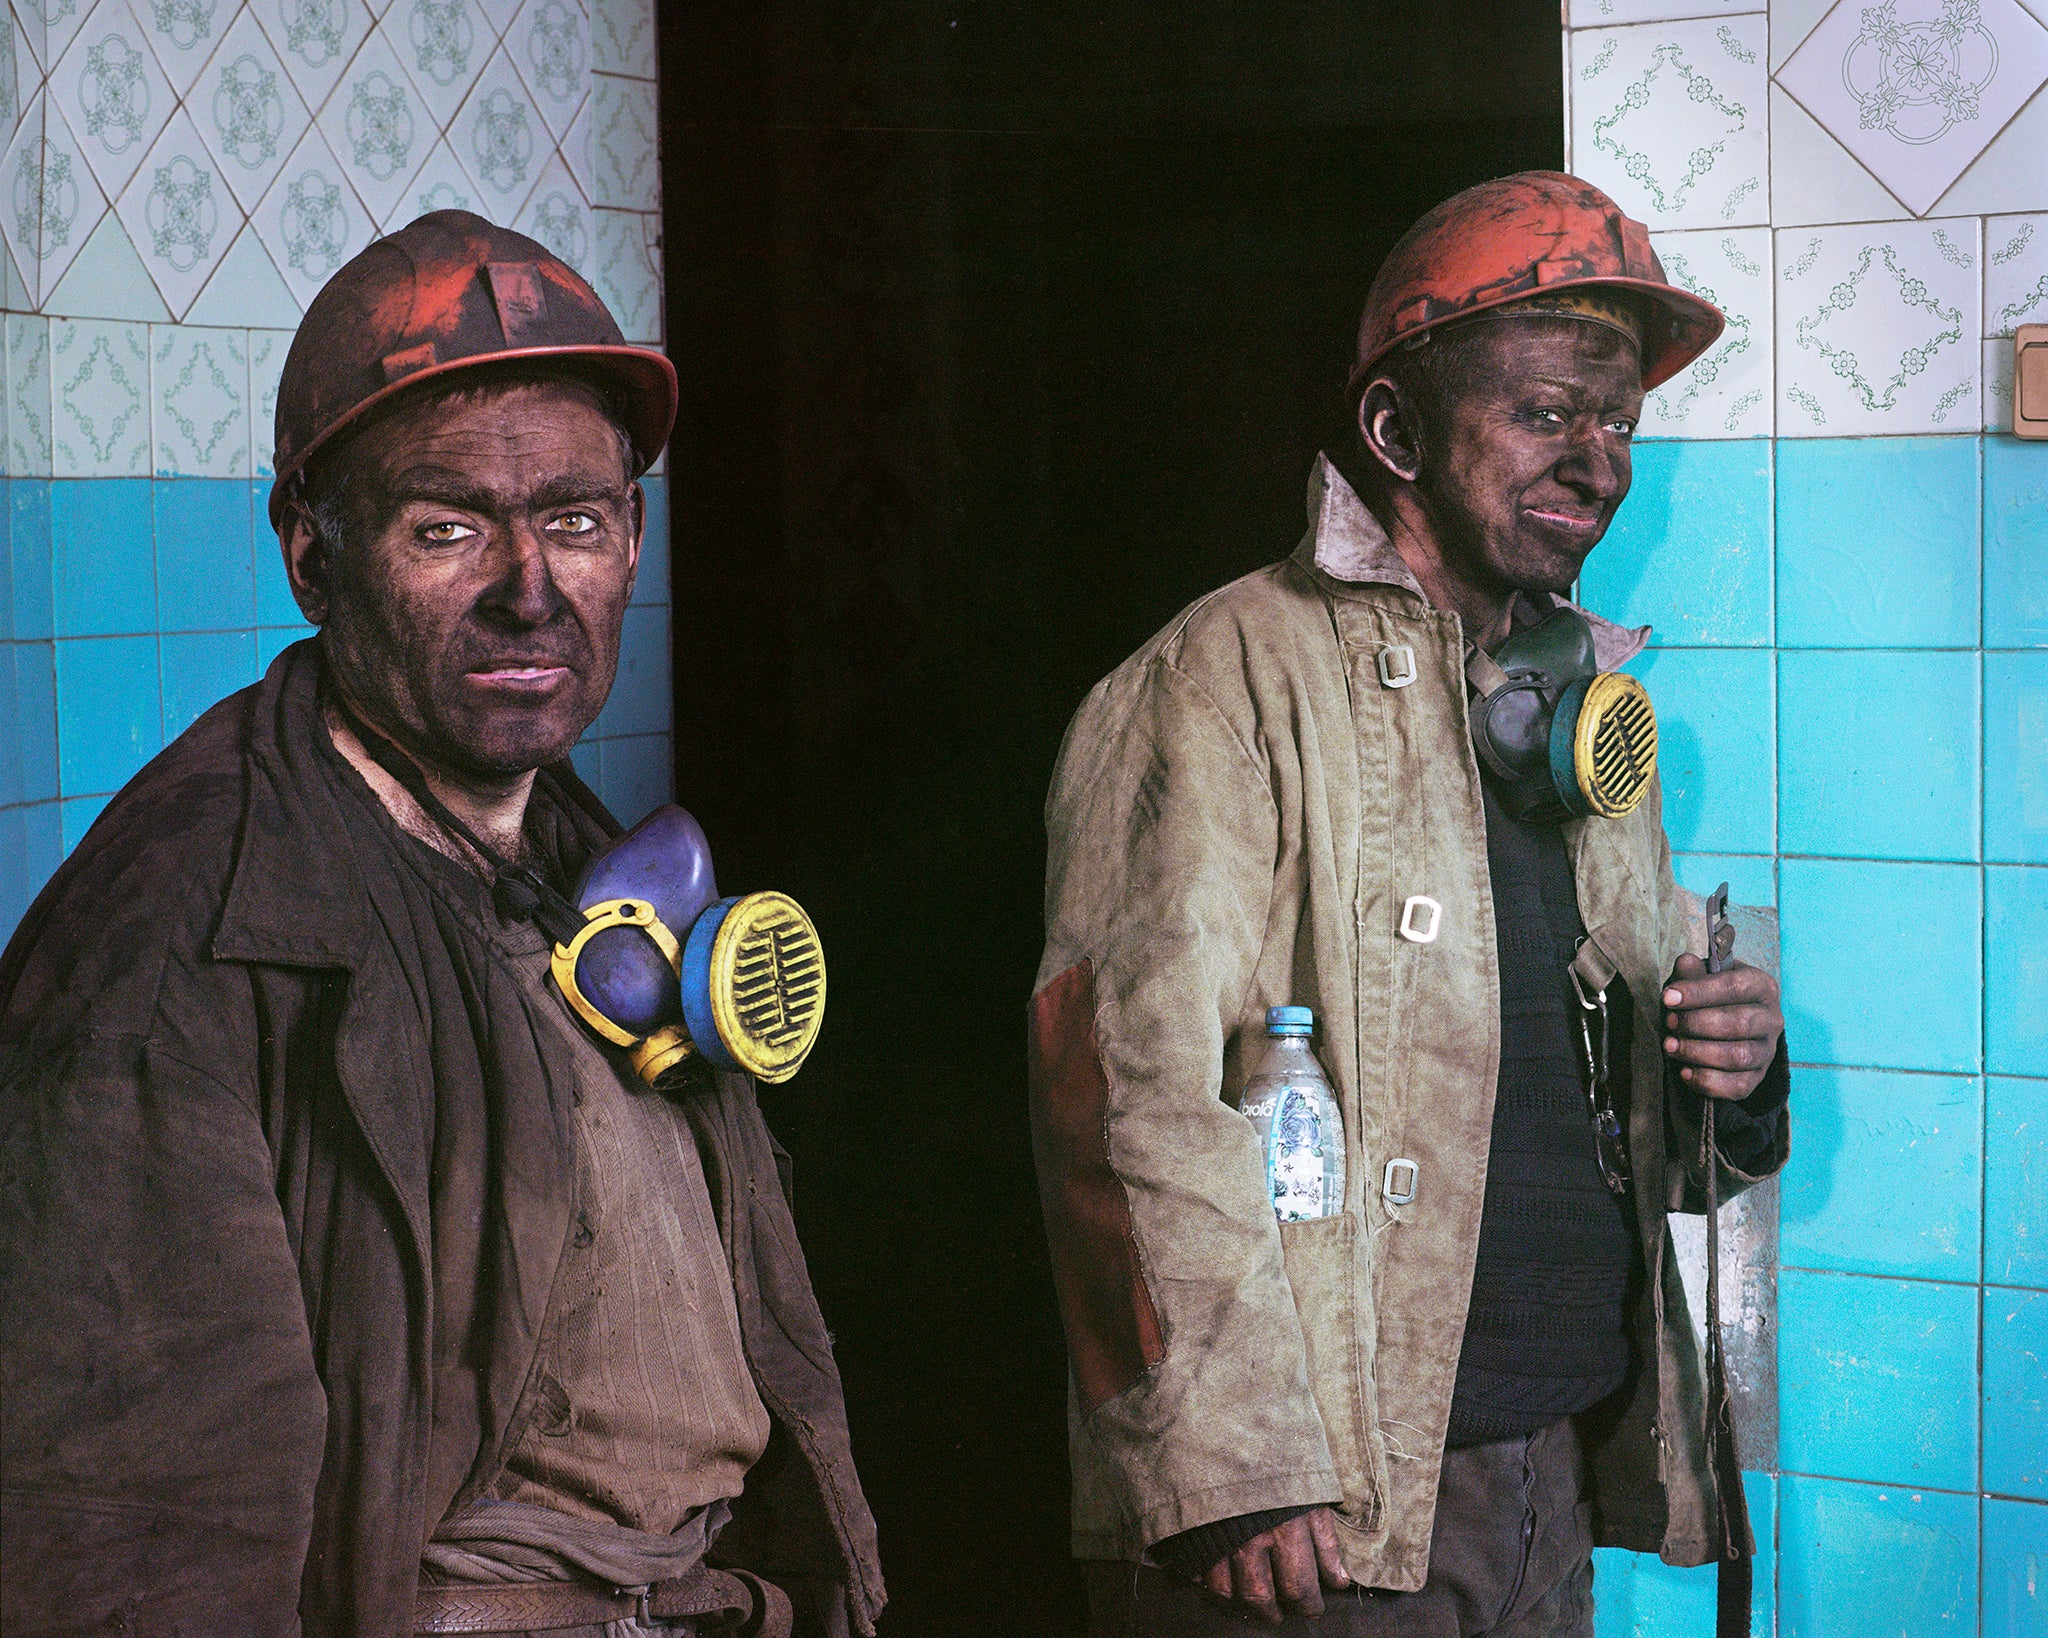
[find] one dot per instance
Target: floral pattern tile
(576, 150)
(622, 37)
(114, 93)
(49, 200)
(267, 349)
(625, 163)
(1878, 328)
(500, 140)
(1602, 13)
(2011, 175)
(200, 401)
(2015, 273)
(1670, 118)
(557, 216)
(627, 274)
(378, 126)
(19, 74)
(311, 220)
(28, 396)
(180, 214)
(550, 43)
(1726, 393)
(1998, 364)
(247, 111)
(444, 45)
(50, 25)
(184, 34)
(1916, 89)
(99, 389)
(315, 38)
(440, 184)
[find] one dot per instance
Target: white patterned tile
(1669, 118)
(622, 37)
(550, 44)
(627, 273)
(267, 349)
(1998, 384)
(1878, 329)
(185, 33)
(20, 74)
(28, 395)
(499, 14)
(311, 220)
(557, 216)
(1814, 178)
(1916, 89)
(576, 151)
(444, 45)
(500, 140)
(2011, 174)
(440, 184)
(108, 281)
(50, 24)
(180, 214)
(49, 201)
(247, 110)
(625, 161)
(199, 394)
(113, 92)
(99, 389)
(378, 126)
(1791, 22)
(315, 38)
(1726, 393)
(14, 296)
(245, 289)
(2015, 273)
(1606, 13)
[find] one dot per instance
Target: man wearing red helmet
(1397, 778)
(354, 1286)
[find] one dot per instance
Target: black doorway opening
(1004, 332)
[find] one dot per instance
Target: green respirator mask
(1561, 738)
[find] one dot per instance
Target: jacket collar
(1347, 545)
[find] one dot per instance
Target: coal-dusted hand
(1284, 1570)
(1721, 1030)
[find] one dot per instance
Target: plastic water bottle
(1301, 1133)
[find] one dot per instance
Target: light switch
(2030, 381)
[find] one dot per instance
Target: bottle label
(1294, 1159)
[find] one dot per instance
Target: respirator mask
(666, 969)
(1561, 738)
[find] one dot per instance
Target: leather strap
(706, 1601)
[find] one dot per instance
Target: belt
(706, 1601)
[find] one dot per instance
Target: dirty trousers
(1510, 1556)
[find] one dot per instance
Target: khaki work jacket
(1239, 815)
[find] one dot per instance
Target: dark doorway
(1004, 332)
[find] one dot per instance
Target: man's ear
(306, 562)
(1390, 429)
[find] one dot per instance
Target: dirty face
(1528, 456)
(473, 612)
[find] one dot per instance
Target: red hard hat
(448, 292)
(1537, 233)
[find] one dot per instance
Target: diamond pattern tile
(311, 220)
(52, 202)
(1878, 329)
(28, 395)
(624, 149)
(200, 401)
(439, 184)
(315, 38)
(628, 271)
(50, 25)
(576, 151)
(184, 34)
(19, 74)
(180, 215)
(550, 43)
(267, 349)
(378, 126)
(2015, 273)
(1916, 89)
(444, 45)
(113, 92)
(99, 384)
(500, 140)
(557, 216)
(622, 37)
(1727, 393)
(247, 111)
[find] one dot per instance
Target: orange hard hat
(448, 292)
(1533, 234)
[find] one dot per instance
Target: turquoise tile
(2016, 1393)
(109, 712)
(1883, 1177)
(651, 584)
(639, 775)
(1877, 753)
(2016, 758)
(10, 739)
(274, 640)
(640, 701)
(103, 564)
(275, 605)
(31, 848)
(1874, 1561)
(1874, 1379)
(1637, 1595)
(28, 543)
(1714, 716)
(588, 756)
(1883, 963)
(78, 813)
(2016, 983)
(6, 560)
(200, 669)
(2016, 1182)
(1752, 878)
(2015, 1569)
(2015, 543)
(1690, 550)
(204, 575)
(33, 668)
(1877, 542)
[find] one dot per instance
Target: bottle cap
(1290, 1021)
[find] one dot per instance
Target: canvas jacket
(1239, 814)
(286, 1170)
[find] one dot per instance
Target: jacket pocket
(1322, 1270)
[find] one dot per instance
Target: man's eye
(575, 523)
(1549, 417)
(446, 531)
(1621, 426)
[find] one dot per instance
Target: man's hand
(1721, 1029)
(1283, 1571)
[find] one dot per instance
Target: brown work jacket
(286, 1171)
(1241, 814)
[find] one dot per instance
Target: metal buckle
(1610, 1142)
(1396, 664)
(1411, 928)
(1399, 1197)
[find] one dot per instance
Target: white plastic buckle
(1396, 1196)
(1397, 665)
(1412, 927)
